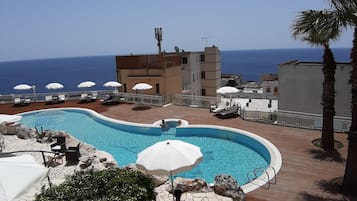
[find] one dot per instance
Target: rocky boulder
(226, 185)
(191, 185)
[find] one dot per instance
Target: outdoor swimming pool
(224, 150)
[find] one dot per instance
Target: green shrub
(106, 185)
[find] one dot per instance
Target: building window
(203, 92)
(203, 75)
(275, 89)
(125, 90)
(267, 90)
(193, 77)
(184, 60)
(157, 88)
(203, 58)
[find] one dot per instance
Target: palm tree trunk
(350, 178)
(328, 99)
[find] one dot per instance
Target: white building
(300, 94)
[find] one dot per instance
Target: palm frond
(316, 27)
(347, 11)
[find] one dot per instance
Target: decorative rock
(191, 185)
(23, 132)
(226, 185)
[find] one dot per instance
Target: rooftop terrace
(306, 169)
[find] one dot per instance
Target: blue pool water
(223, 151)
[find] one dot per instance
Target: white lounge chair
(17, 101)
(61, 98)
(48, 99)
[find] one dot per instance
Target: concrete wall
(300, 88)
(163, 77)
(212, 68)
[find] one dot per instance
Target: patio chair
(60, 145)
(72, 154)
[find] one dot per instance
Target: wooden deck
(306, 171)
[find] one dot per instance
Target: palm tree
(318, 28)
(347, 14)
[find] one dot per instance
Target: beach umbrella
(169, 157)
(22, 87)
(227, 90)
(86, 84)
(54, 85)
(112, 84)
(9, 118)
(26, 87)
(142, 86)
(17, 174)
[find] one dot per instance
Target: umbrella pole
(172, 186)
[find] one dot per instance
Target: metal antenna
(158, 36)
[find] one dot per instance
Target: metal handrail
(259, 169)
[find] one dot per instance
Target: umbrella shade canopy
(9, 118)
(86, 84)
(54, 85)
(17, 174)
(169, 157)
(22, 87)
(227, 90)
(142, 86)
(112, 84)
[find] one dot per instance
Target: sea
(250, 64)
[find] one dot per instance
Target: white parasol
(22, 87)
(142, 86)
(169, 157)
(9, 118)
(227, 90)
(54, 85)
(112, 84)
(86, 84)
(17, 174)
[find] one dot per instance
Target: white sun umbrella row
(56, 85)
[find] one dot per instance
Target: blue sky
(68, 28)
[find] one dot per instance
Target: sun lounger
(112, 99)
(228, 113)
(85, 98)
(53, 99)
(27, 101)
(21, 101)
(61, 98)
(17, 101)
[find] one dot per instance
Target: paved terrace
(306, 170)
